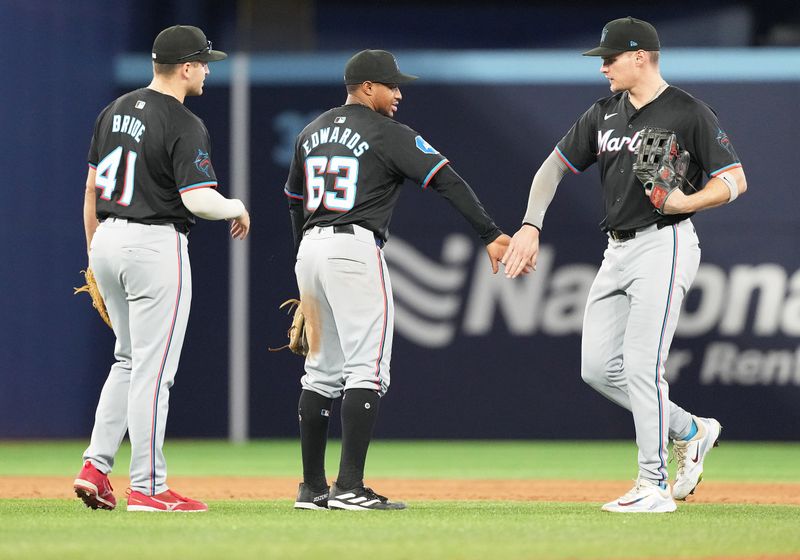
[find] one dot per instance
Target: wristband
(730, 182)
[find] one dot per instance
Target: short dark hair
(164, 69)
(654, 56)
(170, 69)
(353, 88)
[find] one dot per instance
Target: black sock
(314, 411)
(359, 412)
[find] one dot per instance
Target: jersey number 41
(106, 178)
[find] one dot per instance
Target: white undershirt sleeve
(210, 205)
(543, 189)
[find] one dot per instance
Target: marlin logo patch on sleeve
(424, 146)
(724, 141)
(202, 162)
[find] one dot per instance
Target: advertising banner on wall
(478, 355)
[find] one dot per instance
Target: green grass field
(51, 528)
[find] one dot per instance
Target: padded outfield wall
(475, 356)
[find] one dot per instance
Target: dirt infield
(253, 488)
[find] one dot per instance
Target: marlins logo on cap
(374, 66)
(626, 34)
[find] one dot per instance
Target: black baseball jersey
(349, 164)
(608, 133)
(148, 148)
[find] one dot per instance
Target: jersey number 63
(345, 177)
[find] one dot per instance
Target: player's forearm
(718, 191)
(543, 189)
(458, 193)
(208, 204)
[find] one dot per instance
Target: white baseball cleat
(644, 497)
(690, 454)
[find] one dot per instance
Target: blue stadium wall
(475, 356)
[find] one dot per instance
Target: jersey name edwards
(127, 124)
(344, 137)
(607, 144)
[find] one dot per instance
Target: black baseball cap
(184, 43)
(374, 66)
(626, 34)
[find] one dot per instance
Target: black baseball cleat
(309, 499)
(360, 498)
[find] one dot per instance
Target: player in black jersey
(149, 174)
(343, 183)
(652, 257)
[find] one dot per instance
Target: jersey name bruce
(605, 143)
(327, 136)
(128, 125)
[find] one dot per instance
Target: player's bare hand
(496, 250)
(240, 226)
(520, 257)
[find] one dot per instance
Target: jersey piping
(724, 169)
(154, 424)
(207, 184)
(433, 172)
(663, 466)
(572, 168)
(290, 194)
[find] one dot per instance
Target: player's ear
(367, 87)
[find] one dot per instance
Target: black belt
(621, 234)
(625, 234)
(348, 228)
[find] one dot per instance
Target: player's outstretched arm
(208, 204)
(520, 257)
(496, 249)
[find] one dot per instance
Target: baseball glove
(298, 341)
(97, 300)
(660, 165)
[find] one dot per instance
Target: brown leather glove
(97, 300)
(298, 342)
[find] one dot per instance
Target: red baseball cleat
(166, 501)
(93, 488)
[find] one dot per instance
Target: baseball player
(652, 257)
(343, 183)
(149, 174)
